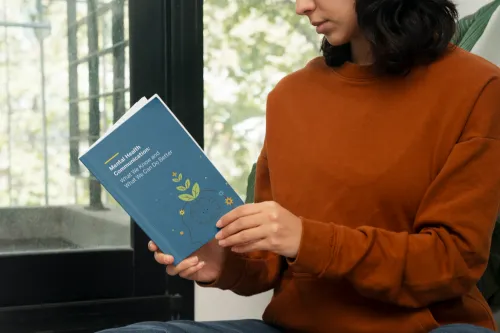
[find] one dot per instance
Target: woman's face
(335, 19)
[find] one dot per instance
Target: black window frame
(84, 291)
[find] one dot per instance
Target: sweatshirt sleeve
(255, 272)
(447, 251)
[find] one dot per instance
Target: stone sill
(72, 227)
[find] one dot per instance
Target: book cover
(162, 178)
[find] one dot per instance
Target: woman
(377, 187)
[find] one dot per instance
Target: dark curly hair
(402, 33)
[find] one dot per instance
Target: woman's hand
(262, 226)
(203, 266)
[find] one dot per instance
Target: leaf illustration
(196, 190)
(176, 180)
(181, 188)
(180, 177)
(186, 197)
(188, 183)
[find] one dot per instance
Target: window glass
(63, 82)
(249, 46)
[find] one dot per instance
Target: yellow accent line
(112, 157)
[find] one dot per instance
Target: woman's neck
(361, 52)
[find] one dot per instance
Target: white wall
(212, 304)
(466, 7)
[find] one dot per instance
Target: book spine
(129, 208)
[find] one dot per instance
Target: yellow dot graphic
(182, 233)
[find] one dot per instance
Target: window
(67, 249)
(65, 82)
(247, 51)
(249, 45)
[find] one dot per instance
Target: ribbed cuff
(315, 249)
(232, 272)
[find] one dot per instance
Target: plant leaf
(180, 177)
(188, 183)
(186, 197)
(176, 180)
(196, 190)
(181, 188)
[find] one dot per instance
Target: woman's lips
(321, 27)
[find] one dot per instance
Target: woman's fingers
(185, 269)
(183, 265)
(152, 246)
(237, 226)
(239, 212)
(191, 271)
(245, 237)
(261, 245)
(160, 257)
(164, 259)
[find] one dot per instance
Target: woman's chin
(335, 40)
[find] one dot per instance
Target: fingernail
(195, 259)
(218, 235)
(202, 263)
(150, 245)
(219, 224)
(222, 242)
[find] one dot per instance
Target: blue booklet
(162, 178)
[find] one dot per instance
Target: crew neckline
(351, 70)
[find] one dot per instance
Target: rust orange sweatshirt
(397, 181)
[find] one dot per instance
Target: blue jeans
(246, 326)
(184, 326)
